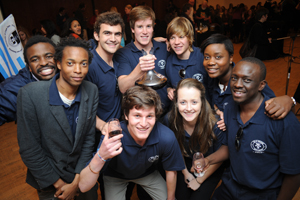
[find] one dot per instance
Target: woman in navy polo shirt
(192, 121)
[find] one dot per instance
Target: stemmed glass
(152, 78)
(198, 164)
(114, 127)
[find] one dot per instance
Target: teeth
(46, 70)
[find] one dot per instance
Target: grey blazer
(45, 137)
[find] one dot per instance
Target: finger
(58, 193)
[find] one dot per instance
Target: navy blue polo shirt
(71, 111)
(104, 76)
(137, 161)
(269, 148)
(193, 68)
(222, 99)
(128, 58)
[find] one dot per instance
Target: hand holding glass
(198, 164)
(114, 127)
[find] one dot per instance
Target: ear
(96, 36)
(231, 59)
(132, 30)
(262, 85)
(58, 64)
(126, 117)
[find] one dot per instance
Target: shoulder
(89, 86)
(166, 135)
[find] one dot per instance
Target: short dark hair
(141, 97)
(110, 18)
(261, 12)
(71, 42)
(262, 66)
(34, 40)
(218, 39)
(186, 7)
(49, 27)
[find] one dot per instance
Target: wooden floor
(13, 171)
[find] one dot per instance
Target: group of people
(63, 130)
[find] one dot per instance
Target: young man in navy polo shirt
(108, 31)
(132, 64)
(56, 125)
(264, 153)
(145, 144)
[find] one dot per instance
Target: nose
(238, 83)
(43, 61)
(113, 37)
(144, 30)
(143, 121)
(77, 68)
(211, 61)
(176, 40)
(189, 106)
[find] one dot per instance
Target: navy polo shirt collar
(191, 61)
(129, 141)
(54, 98)
(134, 49)
(258, 118)
(101, 63)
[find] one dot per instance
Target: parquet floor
(13, 171)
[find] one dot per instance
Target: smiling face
(109, 38)
(143, 32)
(245, 82)
(189, 104)
(75, 27)
(217, 61)
(73, 67)
(140, 123)
(41, 62)
(180, 45)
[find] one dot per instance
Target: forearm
(127, 81)
(99, 123)
(290, 185)
(171, 178)
(209, 172)
(88, 178)
(219, 156)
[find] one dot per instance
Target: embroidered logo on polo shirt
(258, 146)
(153, 158)
(224, 105)
(198, 77)
(162, 64)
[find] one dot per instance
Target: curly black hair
(71, 42)
(34, 40)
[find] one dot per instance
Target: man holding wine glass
(264, 153)
(145, 143)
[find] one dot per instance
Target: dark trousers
(231, 190)
(48, 194)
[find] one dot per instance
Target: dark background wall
(29, 13)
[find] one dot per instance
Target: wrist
(294, 101)
(197, 181)
(101, 158)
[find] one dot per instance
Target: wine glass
(198, 164)
(114, 127)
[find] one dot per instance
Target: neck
(107, 57)
(146, 48)
(224, 80)
(249, 109)
(68, 91)
(189, 126)
(184, 56)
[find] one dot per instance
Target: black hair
(34, 40)
(262, 66)
(61, 9)
(218, 39)
(67, 25)
(261, 12)
(71, 42)
(186, 7)
(49, 27)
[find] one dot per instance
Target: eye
(247, 80)
(195, 102)
(34, 60)
(206, 57)
(233, 78)
(149, 26)
(49, 57)
(139, 26)
(118, 34)
(69, 63)
(137, 116)
(218, 57)
(172, 38)
(149, 116)
(85, 64)
(182, 102)
(182, 36)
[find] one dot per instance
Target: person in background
(72, 28)
(24, 35)
(49, 30)
(128, 33)
(61, 18)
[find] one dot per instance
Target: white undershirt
(65, 99)
(222, 87)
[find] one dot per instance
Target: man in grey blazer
(56, 125)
